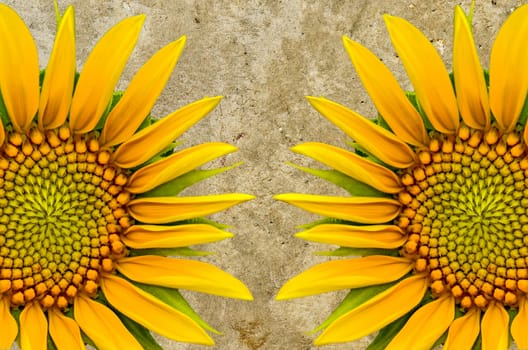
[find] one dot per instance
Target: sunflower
(88, 208)
(438, 212)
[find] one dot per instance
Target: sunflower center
(465, 210)
(62, 211)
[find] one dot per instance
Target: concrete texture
(264, 56)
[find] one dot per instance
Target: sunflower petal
(518, 326)
(345, 274)
(183, 273)
(160, 210)
(19, 70)
(141, 94)
(368, 236)
(102, 325)
(365, 210)
(64, 331)
(381, 143)
(153, 139)
(387, 95)
(101, 73)
(427, 74)
(470, 86)
(463, 331)
(9, 329)
(57, 87)
(426, 325)
(177, 164)
(495, 327)
(33, 328)
(508, 72)
(151, 312)
(156, 236)
(372, 315)
(351, 164)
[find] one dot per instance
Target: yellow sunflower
(439, 205)
(88, 205)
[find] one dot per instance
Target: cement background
(264, 56)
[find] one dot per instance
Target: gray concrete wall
(264, 56)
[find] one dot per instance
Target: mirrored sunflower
(89, 212)
(438, 212)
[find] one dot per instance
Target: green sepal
(388, 333)
(411, 96)
(382, 122)
(174, 299)
(116, 96)
(353, 299)
(177, 251)
(139, 332)
(51, 344)
(174, 187)
(524, 113)
(349, 184)
(202, 221)
(3, 112)
(348, 251)
(326, 221)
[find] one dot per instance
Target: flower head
(439, 204)
(88, 205)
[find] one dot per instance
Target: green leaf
(388, 333)
(178, 251)
(174, 187)
(173, 298)
(139, 332)
(348, 251)
(353, 299)
(352, 186)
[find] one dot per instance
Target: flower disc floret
(63, 211)
(464, 209)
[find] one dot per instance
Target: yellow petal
(518, 326)
(345, 274)
(368, 236)
(183, 273)
(57, 87)
(381, 143)
(102, 325)
(471, 91)
(463, 331)
(426, 325)
(101, 73)
(427, 74)
(153, 139)
(156, 236)
(150, 312)
(387, 95)
(19, 70)
(141, 94)
(372, 315)
(508, 84)
(175, 165)
(161, 210)
(9, 329)
(33, 328)
(64, 331)
(494, 327)
(352, 165)
(365, 210)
